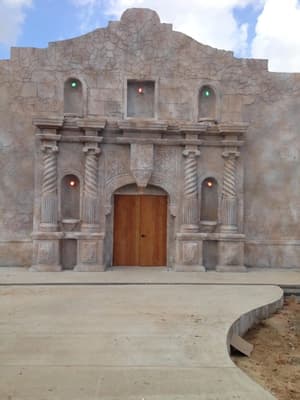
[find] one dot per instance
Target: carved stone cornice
(195, 129)
(48, 137)
(142, 126)
(48, 122)
(233, 129)
(91, 124)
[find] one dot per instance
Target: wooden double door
(140, 230)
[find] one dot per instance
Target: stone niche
(140, 99)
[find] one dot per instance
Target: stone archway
(140, 219)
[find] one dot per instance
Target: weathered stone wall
(139, 47)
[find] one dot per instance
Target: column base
(89, 268)
(188, 253)
(231, 255)
(189, 268)
(189, 228)
(231, 268)
(45, 268)
(228, 229)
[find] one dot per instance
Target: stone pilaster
(189, 255)
(90, 193)
(90, 241)
(229, 193)
(49, 200)
(46, 245)
(190, 216)
(231, 243)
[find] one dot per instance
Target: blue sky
(251, 28)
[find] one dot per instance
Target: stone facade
(139, 109)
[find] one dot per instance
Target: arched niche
(73, 97)
(70, 197)
(124, 180)
(207, 103)
(140, 226)
(125, 185)
(209, 200)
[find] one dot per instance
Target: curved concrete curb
(252, 317)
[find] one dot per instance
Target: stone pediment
(141, 35)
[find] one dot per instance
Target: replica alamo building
(135, 145)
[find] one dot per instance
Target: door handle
(143, 236)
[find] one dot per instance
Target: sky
(268, 29)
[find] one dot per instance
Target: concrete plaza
(114, 340)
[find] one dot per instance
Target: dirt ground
(275, 360)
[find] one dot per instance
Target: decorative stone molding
(141, 163)
(190, 196)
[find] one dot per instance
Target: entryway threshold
(154, 276)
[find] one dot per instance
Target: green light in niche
(206, 93)
(74, 84)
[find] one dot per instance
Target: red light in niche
(209, 184)
(72, 183)
(140, 90)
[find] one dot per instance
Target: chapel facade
(134, 145)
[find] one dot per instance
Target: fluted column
(190, 221)
(229, 193)
(49, 188)
(90, 194)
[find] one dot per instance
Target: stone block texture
(137, 108)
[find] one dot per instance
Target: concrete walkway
(154, 275)
(126, 342)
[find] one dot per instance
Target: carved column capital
(49, 148)
(191, 151)
(231, 154)
(88, 149)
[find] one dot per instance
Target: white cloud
(278, 35)
(88, 10)
(211, 22)
(12, 15)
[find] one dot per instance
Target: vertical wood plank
(140, 230)
(153, 232)
(126, 230)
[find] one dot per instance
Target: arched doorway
(140, 227)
